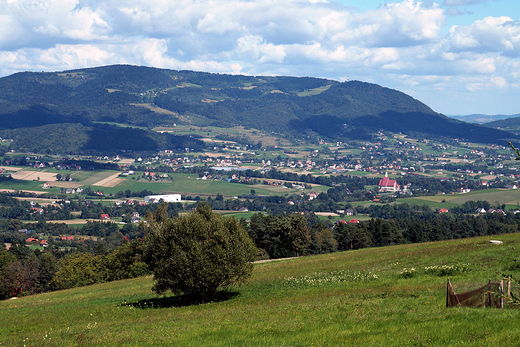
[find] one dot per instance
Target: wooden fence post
(447, 292)
(502, 294)
(489, 295)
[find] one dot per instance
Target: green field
(298, 302)
(510, 197)
(186, 184)
(189, 184)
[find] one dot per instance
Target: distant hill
(482, 118)
(38, 110)
(509, 123)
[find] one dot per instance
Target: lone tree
(198, 253)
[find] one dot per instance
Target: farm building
(166, 198)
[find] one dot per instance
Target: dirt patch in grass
(110, 181)
(326, 214)
(488, 177)
(33, 176)
(126, 161)
(10, 168)
(215, 155)
(65, 184)
(26, 191)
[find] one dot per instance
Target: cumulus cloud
(492, 34)
(400, 44)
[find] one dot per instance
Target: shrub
(77, 270)
(408, 273)
(446, 270)
(197, 253)
(514, 265)
(322, 278)
(126, 262)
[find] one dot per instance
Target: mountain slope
(280, 104)
(513, 122)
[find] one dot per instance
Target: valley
(353, 182)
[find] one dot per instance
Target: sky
(457, 56)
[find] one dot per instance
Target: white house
(166, 198)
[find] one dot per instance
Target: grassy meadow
(354, 298)
(186, 184)
(510, 197)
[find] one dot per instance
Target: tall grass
(354, 298)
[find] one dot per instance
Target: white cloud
(254, 47)
(492, 34)
(400, 44)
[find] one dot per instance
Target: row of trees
(194, 254)
(294, 234)
(23, 272)
(199, 252)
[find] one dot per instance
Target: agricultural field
(353, 298)
(109, 182)
(510, 197)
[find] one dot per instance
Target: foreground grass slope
(297, 302)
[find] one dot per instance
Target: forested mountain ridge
(512, 122)
(56, 102)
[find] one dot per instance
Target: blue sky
(457, 56)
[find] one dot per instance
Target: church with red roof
(386, 184)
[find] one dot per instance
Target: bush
(324, 278)
(126, 262)
(408, 273)
(514, 265)
(77, 270)
(198, 253)
(446, 270)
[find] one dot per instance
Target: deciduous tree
(198, 253)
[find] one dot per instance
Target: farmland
(295, 194)
(479, 171)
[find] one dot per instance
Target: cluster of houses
(154, 176)
(32, 241)
(78, 190)
(342, 221)
(166, 198)
(493, 211)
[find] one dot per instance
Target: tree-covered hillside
(511, 123)
(44, 104)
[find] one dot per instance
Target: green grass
(182, 183)
(23, 185)
(509, 197)
(315, 91)
(189, 184)
(272, 309)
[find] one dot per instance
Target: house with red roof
(104, 216)
(444, 210)
(388, 185)
(37, 210)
